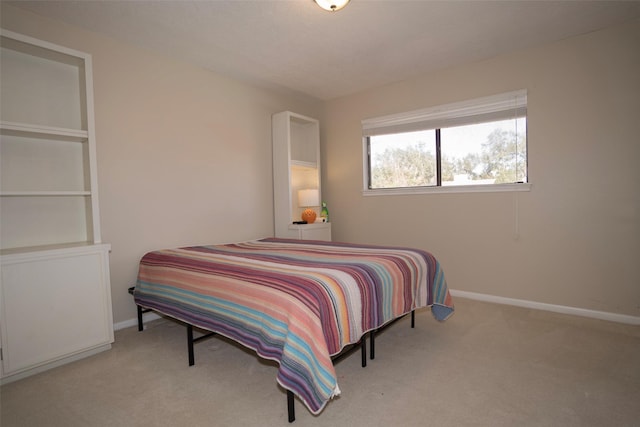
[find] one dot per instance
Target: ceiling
(295, 45)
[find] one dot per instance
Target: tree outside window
(493, 152)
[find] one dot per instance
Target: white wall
(184, 155)
(578, 229)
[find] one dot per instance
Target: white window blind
(491, 108)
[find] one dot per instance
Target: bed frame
(362, 344)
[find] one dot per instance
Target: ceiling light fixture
(331, 5)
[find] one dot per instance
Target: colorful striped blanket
(293, 301)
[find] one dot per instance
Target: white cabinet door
(54, 304)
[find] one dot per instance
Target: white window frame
(489, 108)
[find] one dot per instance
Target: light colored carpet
(488, 365)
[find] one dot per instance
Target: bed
(296, 302)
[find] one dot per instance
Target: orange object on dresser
(309, 215)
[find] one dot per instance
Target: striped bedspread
(293, 301)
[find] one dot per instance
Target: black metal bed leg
(291, 410)
(140, 310)
(140, 324)
(372, 345)
(413, 318)
(191, 341)
(363, 350)
(190, 344)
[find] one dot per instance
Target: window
(479, 145)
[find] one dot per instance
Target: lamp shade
(308, 198)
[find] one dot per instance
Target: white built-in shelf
(47, 132)
(44, 193)
(46, 248)
(55, 293)
(303, 165)
(47, 145)
(296, 166)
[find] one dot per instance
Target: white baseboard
(602, 315)
(147, 317)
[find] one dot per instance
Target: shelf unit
(48, 181)
(296, 166)
(50, 242)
